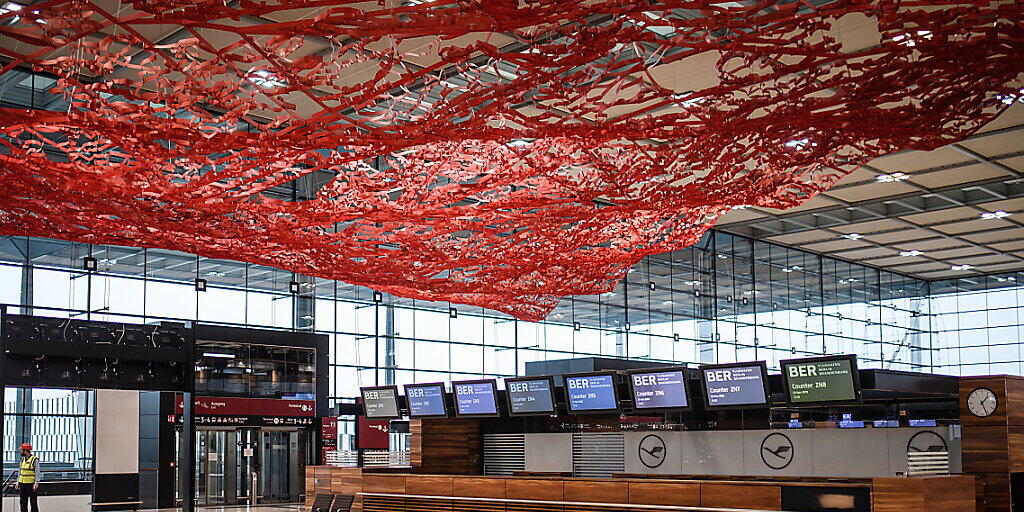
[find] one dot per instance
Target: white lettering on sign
(803, 371)
(645, 380)
(719, 375)
(518, 387)
(579, 384)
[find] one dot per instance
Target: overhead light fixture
(740, 207)
(10, 7)
(787, 269)
(608, 294)
(888, 178)
(1009, 99)
(220, 355)
(910, 40)
(914, 252)
(853, 236)
(962, 267)
(799, 143)
(265, 79)
(667, 302)
(998, 214)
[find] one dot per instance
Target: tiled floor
(294, 507)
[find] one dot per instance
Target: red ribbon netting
(499, 153)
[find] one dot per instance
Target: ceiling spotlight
(787, 269)
(266, 79)
(853, 236)
(914, 252)
(888, 178)
(1008, 99)
(998, 214)
(799, 143)
(962, 267)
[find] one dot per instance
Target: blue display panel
(735, 385)
(592, 392)
(426, 400)
(530, 395)
(476, 398)
(663, 389)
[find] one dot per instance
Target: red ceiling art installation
(500, 153)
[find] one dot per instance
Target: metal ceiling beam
(934, 200)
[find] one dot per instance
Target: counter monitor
(381, 402)
(476, 398)
(530, 395)
(660, 389)
(426, 400)
(821, 380)
(592, 392)
(735, 385)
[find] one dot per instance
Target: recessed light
(962, 267)
(853, 236)
(998, 214)
(887, 178)
(914, 252)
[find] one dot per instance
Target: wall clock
(982, 402)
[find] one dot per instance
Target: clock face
(982, 402)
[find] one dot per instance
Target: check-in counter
(375, 491)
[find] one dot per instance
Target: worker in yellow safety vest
(28, 479)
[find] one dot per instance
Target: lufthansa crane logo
(652, 451)
(777, 451)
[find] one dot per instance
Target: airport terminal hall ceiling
(499, 153)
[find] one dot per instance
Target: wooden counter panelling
(596, 491)
(664, 493)
(924, 494)
(534, 489)
(722, 495)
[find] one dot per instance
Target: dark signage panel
(475, 398)
(659, 390)
(821, 380)
(426, 400)
(381, 402)
(530, 396)
(736, 385)
(591, 392)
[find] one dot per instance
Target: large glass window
(725, 299)
(58, 423)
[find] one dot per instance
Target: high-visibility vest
(28, 470)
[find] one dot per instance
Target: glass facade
(725, 299)
(978, 325)
(58, 423)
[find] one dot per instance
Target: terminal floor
(277, 507)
